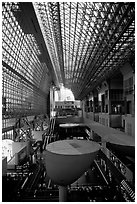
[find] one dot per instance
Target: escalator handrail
(50, 132)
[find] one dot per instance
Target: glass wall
(22, 71)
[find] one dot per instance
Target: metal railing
(49, 135)
(126, 172)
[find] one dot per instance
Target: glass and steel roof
(87, 41)
(25, 78)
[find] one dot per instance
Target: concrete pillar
(16, 158)
(62, 193)
(33, 159)
(103, 142)
(91, 134)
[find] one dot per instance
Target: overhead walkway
(111, 135)
(107, 134)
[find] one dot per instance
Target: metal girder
(93, 73)
(96, 52)
(49, 19)
(23, 78)
(22, 66)
(111, 54)
(55, 17)
(92, 39)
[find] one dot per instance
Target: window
(22, 70)
(128, 86)
(107, 108)
(129, 107)
(106, 94)
(103, 102)
(116, 108)
(3, 105)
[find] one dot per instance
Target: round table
(71, 126)
(67, 160)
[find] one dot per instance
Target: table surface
(73, 147)
(67, 125)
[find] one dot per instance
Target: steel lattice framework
(25, 79)
(88, 42)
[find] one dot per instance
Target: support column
(62, 193)
(103, 143)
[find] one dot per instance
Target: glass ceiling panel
(87, 40)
